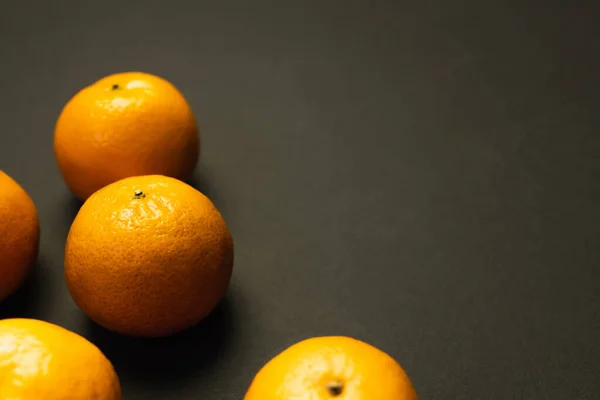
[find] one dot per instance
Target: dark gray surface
(420, 176)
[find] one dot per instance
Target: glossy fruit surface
(331, 368)
(40, 360)
(19, 235)
(148, 256)
(126, 124)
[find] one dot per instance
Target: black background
(420, 175)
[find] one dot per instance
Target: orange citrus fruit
(331, 368)
(148, 256)
(126, 124)
(19, 235)
(40, 360)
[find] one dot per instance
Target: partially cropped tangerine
(19, 235)
(40, 360)
(148, 256)
(331, 368)
(126, 124)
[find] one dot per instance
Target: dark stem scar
(335, 388)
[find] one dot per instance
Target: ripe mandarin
(126, 124)
(148, 256)
(326, 368)
(40, 360)
(19, 235)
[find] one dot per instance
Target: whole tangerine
(126, 124)
(148, 256)
(19, 235)
(40, 360)
(331, 368)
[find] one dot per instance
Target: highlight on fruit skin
(125, 124)
(148, 256)
(40, 360)
(19, 235)
(330, 368)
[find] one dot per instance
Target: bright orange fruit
(331, 368)
(148, 256)
(40, 360)
(126, 124)
(19, 235)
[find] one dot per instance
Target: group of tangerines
(147, 255)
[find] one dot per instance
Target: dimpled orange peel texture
(40, 360)
(331, 368)
(148, 256)
(19, 235)
(126, 124)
